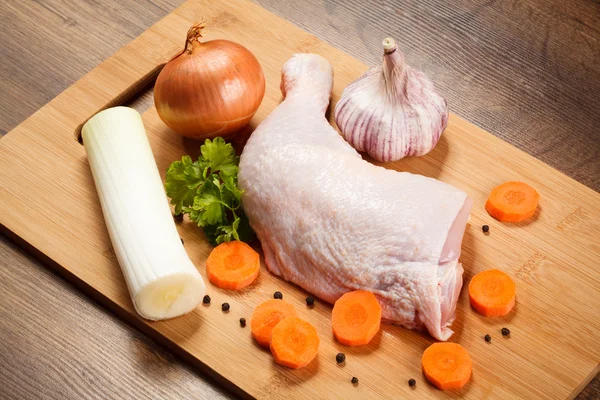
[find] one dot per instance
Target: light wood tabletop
(527, 71)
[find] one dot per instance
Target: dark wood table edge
(110, 306)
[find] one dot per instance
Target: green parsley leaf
(229, 232)
(208, 204)
(231, 194)
(207, 191)
(219, 156)
(183, 180)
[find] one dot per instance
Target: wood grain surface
(59, 51)
(57, 344)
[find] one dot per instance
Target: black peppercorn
(412, 383)
(354, 380)
(310, 301)
(487, 338)
(225, 307)
(178, 217)
(505, 331)
(485, 228)
(206, 299)
(243, 322)
(340, 358)
(278, 295)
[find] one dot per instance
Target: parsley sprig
(206, 190)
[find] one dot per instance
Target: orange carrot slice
(492, 293)
(447, 365)
(294, 342)
(356, 318)
(266, 316)
(232, 265)
(512, 202)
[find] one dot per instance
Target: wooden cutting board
(48, 199)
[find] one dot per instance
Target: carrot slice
(294, 342)
(232, 265)
(266, 316)
(356, 318)
(492, 293)
(512, 202)
(447, 365)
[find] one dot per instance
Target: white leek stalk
(161, 278)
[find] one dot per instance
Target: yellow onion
(210, 89)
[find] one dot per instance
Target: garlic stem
(389, 45)
(394, 72)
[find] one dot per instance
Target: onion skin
(210, 89)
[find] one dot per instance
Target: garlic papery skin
(392, 111)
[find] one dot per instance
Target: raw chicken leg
(331, 222)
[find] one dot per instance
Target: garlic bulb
(392, 111)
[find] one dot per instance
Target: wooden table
(527, 71)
